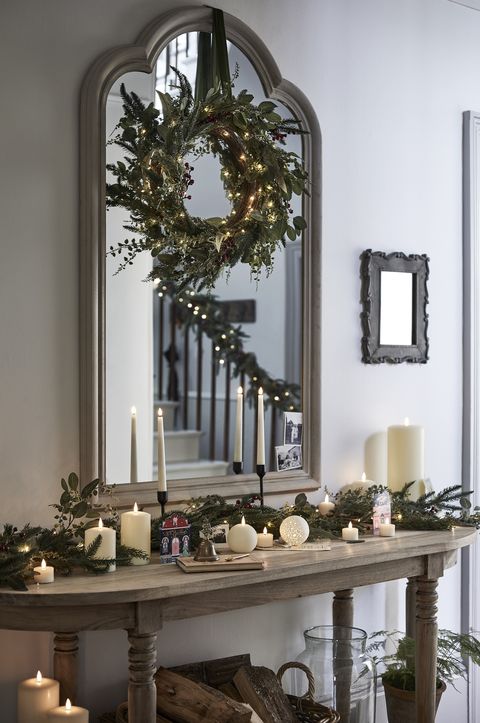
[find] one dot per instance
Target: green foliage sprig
(154, 180)
(63, 545)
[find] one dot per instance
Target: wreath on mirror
(155, 179)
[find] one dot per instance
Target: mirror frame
(141, 56)
(372, 265)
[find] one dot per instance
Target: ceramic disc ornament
(294, 530)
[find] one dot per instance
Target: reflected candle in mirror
(35, 697)
(237, 452)
(162, 471)
(260, 430)
(133, 447)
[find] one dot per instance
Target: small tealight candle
(264, 539)
(325, 507)
(350, 533)
(45, 573)
(72, 713)
(108, 543)
(242, 537)
(387, 529)
(35, 697)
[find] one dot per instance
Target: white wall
(389, 81)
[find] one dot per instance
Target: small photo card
(382, 511)
(288, 456)
(219, 533)
(292, 427)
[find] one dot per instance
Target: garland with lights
(154, 180)
(62, 546)
(204, 313)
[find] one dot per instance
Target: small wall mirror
(394, 298)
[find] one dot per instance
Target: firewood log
(260, 688)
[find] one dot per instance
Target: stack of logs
(229, 690)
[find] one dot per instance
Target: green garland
(62, 547)
(204, 313)
(154, 180)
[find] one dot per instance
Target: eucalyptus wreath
(155, 179)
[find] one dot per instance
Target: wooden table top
(162, 582)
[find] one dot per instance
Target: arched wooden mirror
(135, 352)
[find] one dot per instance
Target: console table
(140, 599)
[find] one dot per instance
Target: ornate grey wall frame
(377, 346)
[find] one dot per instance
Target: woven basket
(306, 709)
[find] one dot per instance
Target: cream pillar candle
(237, 451)
(350, 533)
(242, 537)
(135, 531)
(387, 529)
(162, 471)
(133, 447)
(67, 712)
(35, 697)
(326, 506)
(405, 454)
(108, 545)
(264, 539)
(44, 574)
(260, 429)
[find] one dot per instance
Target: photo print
(293, 428)
(288, 456)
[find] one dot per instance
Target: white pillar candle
(237, 451)
(260, 429)
(108, 546)
(44, 574)
(405, 455)
(350, 533)
(133, 447)
(135, 532)
(264, 539)
(68, 712)
(35, 697)
(358, 484)
(242, 537)
(325, 507)
(387, 529)
(162, 471)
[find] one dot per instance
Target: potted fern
(453, 653)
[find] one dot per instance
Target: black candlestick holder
(162, 498)
(237, 468)
(261, 475)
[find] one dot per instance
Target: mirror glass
(153, 359)
(396, 308)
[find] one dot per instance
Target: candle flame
(43, 565)
(240, 390)
(135, 507)
(364, 477)
(68, 704)
(350, 525)
(134, 411)
(326, 497)
(159, 412)
(260, 391)
(100, 523)
(406, 422)
(39, 677)
(264, 530)
(243, 520)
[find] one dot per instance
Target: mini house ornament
(175, 535)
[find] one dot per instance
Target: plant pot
(401, 703)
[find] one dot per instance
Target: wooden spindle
(186, 358)
(160, 348)
(273, 423)
(199, 380)
(226, 425)
(213, 394)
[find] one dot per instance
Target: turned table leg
(142, 693)
(342, 615)
(65, 665)
(411, 606)
(426, 649)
